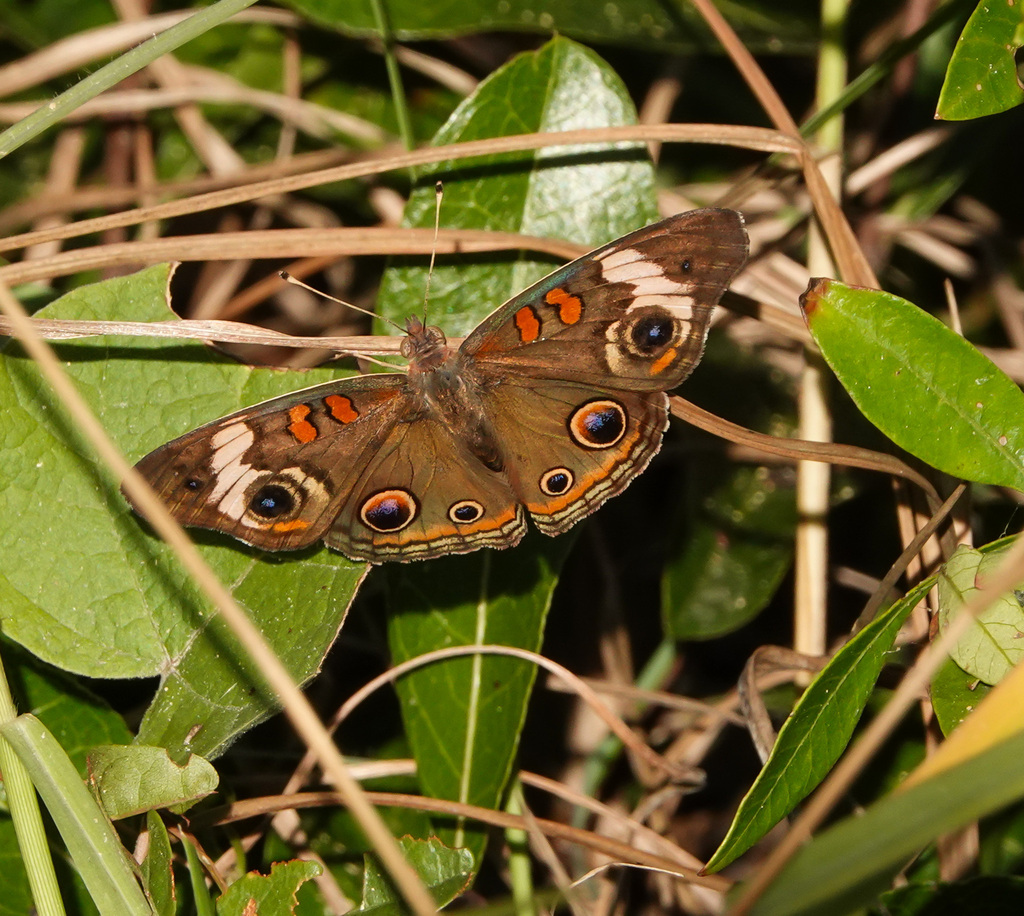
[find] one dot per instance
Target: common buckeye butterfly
(551, 406)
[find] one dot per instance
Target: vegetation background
(732, 589)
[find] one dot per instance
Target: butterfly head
(425, 346)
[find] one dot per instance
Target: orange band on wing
(570, 309)
(300, 427)
(664, 361)
(341, 408)
(527, 324)
(296, 524)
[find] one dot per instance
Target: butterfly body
(550, 407)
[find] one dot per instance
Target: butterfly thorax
(444, 388)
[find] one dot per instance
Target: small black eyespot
(194, 484)
(272, 501)
(556, 481)
(685, 265)
(465, 511)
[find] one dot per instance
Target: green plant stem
(383, 23)
(596, 768)
(520, 868)
(28, 821)
(125, 65)
(200, 895)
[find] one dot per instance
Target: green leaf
(845, 867)
(588, 194)
(921, 384)
(817, 731)
(733, 552)
(130, 780)
(955, 694)
(993, 644)
(157, 868)
(641, 22)
(122, 606)
(77, 718)
(446, 872)
(273, 893)
(982, 75)
(463, 716)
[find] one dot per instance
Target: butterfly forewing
(634, 314)
(276, 475)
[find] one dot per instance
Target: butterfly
(551, 406)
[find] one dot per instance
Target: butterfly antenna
(438, 196)
(288, 278)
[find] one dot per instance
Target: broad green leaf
(920, 383)
(273, 893)
(157, 868)
(121, 606)
(130, 780)
(955, 694)
(849, 864)
(463, 717)
(446, 872)
(982, 75)
(588, 195)
(817, 731)
(77, 719)
(992, 646)
(636, 22)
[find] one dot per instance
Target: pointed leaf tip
(816, 290)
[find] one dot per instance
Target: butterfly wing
(274, 475)
(569, 447)
(426, 495)
(350, 462)
(631, 315)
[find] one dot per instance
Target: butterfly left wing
(274, 475)
(633, 314)
(355, 463)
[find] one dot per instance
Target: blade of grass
(111, 74)
(28, 823)
(87, 832)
